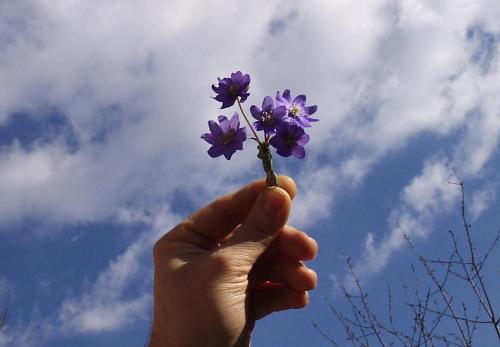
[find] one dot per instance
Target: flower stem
(267, 163)
(248, 122)
(264, 154)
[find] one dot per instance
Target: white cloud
(430, 195)
(133, 78)
(427, 196)
(103, 317)
(89, 58)
(481, 201)
(311, 202)
(430, 191)
(119, 297)
(106, 306)
(381, 73)
(4, 339)
(36, 331)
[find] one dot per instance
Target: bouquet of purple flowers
(282, 122)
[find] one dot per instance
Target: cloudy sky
(102, 104)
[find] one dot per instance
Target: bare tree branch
(429, 305)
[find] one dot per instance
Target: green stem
(267, 162)
(264, 153)
(248, 122)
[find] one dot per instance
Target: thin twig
(322, 333)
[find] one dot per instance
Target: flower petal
(237, 77)
(304, 139)
(214, 128)
(299, 152)
(279, 112)
(258, 125)
(246, 79)
(243, 97)
(303, 122)
(229, 153)
(310, 109)
(240, 136)
(267, 104)
(286, 95)
(284, 151)
(216, 151)
(300, 100)
(278, 97)
(234, 123)
(280, 145)
(220, 97)
(237, 145)
(255, 112)
(209, 138)
(227, 103)
(224, 123)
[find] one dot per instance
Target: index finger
(216, 220)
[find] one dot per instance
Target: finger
(272, 298)
(292, 243)
(266, 218)
(290, 272)
(216, 220)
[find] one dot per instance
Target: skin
(229, 264)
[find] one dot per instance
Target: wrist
(164, 338)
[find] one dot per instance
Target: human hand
(230, 263)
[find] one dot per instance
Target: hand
(229, 264)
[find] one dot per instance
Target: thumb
(266, 217)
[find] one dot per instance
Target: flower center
(227, 138)
(294, 111)
(267, 117)
(290, 142)
(234, 90)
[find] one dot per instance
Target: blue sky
(102, 104)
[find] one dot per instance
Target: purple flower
(269, 117)
(290, 140)
(230, 88)
(297, 111)
(226, 137)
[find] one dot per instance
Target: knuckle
(161, 245)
